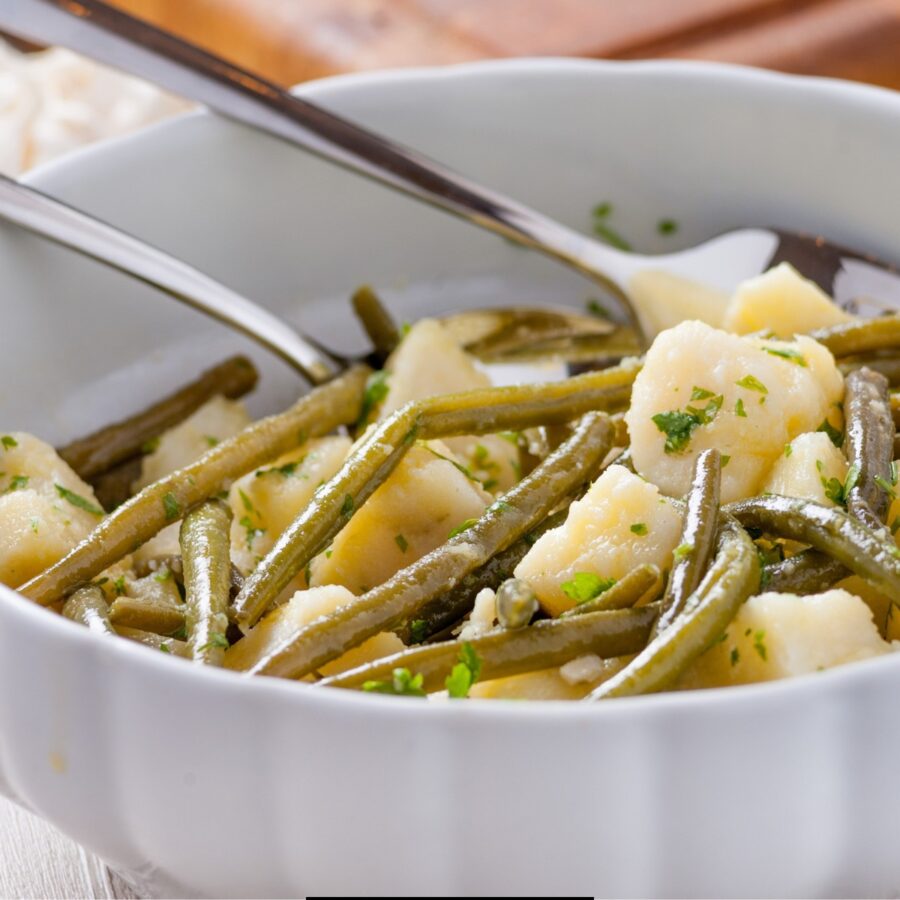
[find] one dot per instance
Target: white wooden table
(36, 861)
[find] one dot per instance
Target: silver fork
(115, 38)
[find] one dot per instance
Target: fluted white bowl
(204, 783)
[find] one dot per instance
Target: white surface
(36, 861)
(199, 781)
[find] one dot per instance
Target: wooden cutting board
(293, 40)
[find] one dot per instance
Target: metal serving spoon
(115, 38)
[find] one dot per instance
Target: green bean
(698, 538)
(809, 572)
(731, 579)
(869, 445)
(484, 411)
(100, 451)
(863, 551)
(147, 615)
(89, 607)
(639, 586)
(447, 608)
(377, 321)
(113, 487)
(164, 502)
(149, 566)
(516, 603)
(205, 553)
(157, 641)
(402, 596)
(888, 364)
(505, 652)
(861, 336)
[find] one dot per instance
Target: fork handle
(38, 213)
(109, 36)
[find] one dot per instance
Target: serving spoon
(109, 36)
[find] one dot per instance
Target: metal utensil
(110, 36)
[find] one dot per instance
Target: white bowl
(201, 782)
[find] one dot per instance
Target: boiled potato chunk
(783, 302)
(622, 522)
(429, 362)
(414, 511)
(300, 610)
(810, 467)
(701, 387)
(781, 635)
(662, 300)
(267, 500)
(216, 420)
(45, 508)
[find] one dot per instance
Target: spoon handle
(36, 212)
(117, 39)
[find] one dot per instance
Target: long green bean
(157, 641)
(869, 445)
(861, 336)
(377, 321)
(863, 551)
(887, 364)
(165, 501)
(89, 607)
(505, 652)
(809, 572)
(113, 487)
(206, 558)
(698, 538)
(401, 597)
(447, 608)
(114, 444)
(640, 585)
(147, 615)
(484, 411)
(731, 579)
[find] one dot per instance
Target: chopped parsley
(119, 585)
(726, 458)
(596, 308)
(788, 449)
(699, 393)
(511, 436)
(667, 226)
(347, 505)
(834, 490)
(752, 383)
(150, 445)
(794, 356)
(171, 506)
(456, 465)
(610, 236)
(401, 542)
(759, 645)
(78, 501)
(895, 525)
(376, 390)
(735, 656)
(464, 674)
(837, 437)
(163, 575)
(851, 481)
(211, 441)
(682, 550)
(8, 442)
(252, 531)
(402, 684)
(217, 640)
(35, 523)
(17, 483)
(739, 410)
(418, 630)
(585, 586)
(165, 648)
(602, 210)
(677, 426)
(886, 486)
(463, 526)
(286, 471)
(639, 528)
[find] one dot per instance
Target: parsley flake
(376, 390)
(794, 356)
(677, 426)
(171, 506)
(837, 437)
(463, 526)
(401, 542)
(347, 505)
(752, 383)
(639, 528)
(739, 410)
(217, 640)
(8, 442)
(585, 586)
(596, 308)
(402, 684)
(699, 393)
(17, 483)
(667, 226)
(682, 550)
(78, 501)
(759, 645)
(464, 674)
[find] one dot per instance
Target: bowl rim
(882, 101)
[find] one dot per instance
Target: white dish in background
(199, 782)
